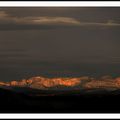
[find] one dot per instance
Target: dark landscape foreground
(94, 101)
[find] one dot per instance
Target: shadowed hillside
(75, 101)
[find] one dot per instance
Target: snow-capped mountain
(65, 82)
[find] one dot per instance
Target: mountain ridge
(45, 83)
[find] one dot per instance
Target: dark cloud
(9, 22)
(59, 42)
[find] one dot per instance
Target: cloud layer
(9, 22)
(38, 20)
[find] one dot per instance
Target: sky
(59, 41)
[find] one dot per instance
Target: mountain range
(85, 82)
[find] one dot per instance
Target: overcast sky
(57, 40)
